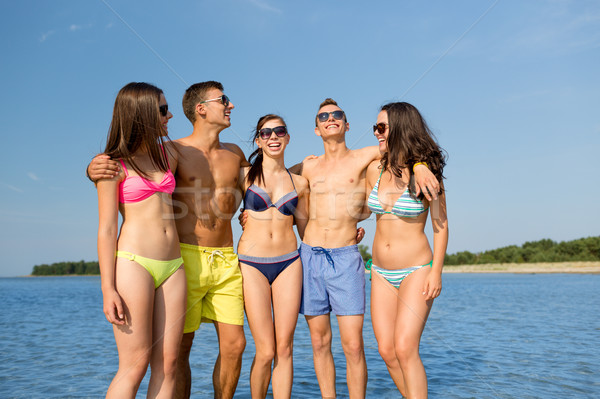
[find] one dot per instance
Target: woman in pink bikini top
(140, 263)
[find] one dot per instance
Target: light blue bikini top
(405, 207)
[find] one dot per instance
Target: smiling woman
(408, 275)
(269, 258)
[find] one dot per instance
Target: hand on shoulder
(102, 167)
(311, 161)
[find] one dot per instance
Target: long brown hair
(256, 170)
(410, 141)
(136, 125)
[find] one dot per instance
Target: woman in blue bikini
(269, 260)
(406, 275)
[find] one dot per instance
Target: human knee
(406, 349)
(321, 342)
(353, 349)
(169, 364)
(135, 371)
(234, 347)
(388, 354)
(284, 350)
(265, 354)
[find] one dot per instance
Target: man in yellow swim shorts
(206, 197)
(214, 286)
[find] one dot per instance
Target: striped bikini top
(405, 206)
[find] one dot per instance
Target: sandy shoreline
(525, 268)
(547, 267)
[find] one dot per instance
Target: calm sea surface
(488, 336)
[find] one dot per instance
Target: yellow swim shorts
(214, 286)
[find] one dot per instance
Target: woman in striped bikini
(406, 275)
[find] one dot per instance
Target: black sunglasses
(163, 109)
(323, 116)
(224, 99)
(380, 128)
(265, 132)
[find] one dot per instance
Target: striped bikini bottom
(395, 277)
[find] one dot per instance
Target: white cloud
(46, 35)
(263, 5)
(33, 176)
(75, 28)
(13, 188)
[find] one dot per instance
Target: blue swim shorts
(333, 281)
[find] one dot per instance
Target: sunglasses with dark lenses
(380, 128)
(164, 109)
(323, 116)
(224, 99)
(265, 132)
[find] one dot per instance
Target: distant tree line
(66, 268)
(546, 250)
(364, 252)
(583, 249)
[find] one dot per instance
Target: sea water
(488, 336)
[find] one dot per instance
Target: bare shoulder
(373, 172)
(373, 168)
(300, 182)
(184, 149)
(181, 145)
(172, 150)
(235, 149)
(311, 163)
(181, 142)
(115, 180)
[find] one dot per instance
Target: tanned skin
(208, 194)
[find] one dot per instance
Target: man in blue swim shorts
(334, 276)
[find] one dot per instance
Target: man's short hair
(195, 94)
(328, 101)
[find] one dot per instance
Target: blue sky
(510, 88)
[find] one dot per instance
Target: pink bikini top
(137, 188)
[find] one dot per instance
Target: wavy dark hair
(256, 170)
(136, 125)
(410, 141)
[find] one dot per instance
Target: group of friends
(172, 265)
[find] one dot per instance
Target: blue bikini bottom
(270, 267)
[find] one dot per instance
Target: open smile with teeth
(334, 125)
(274, 145)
